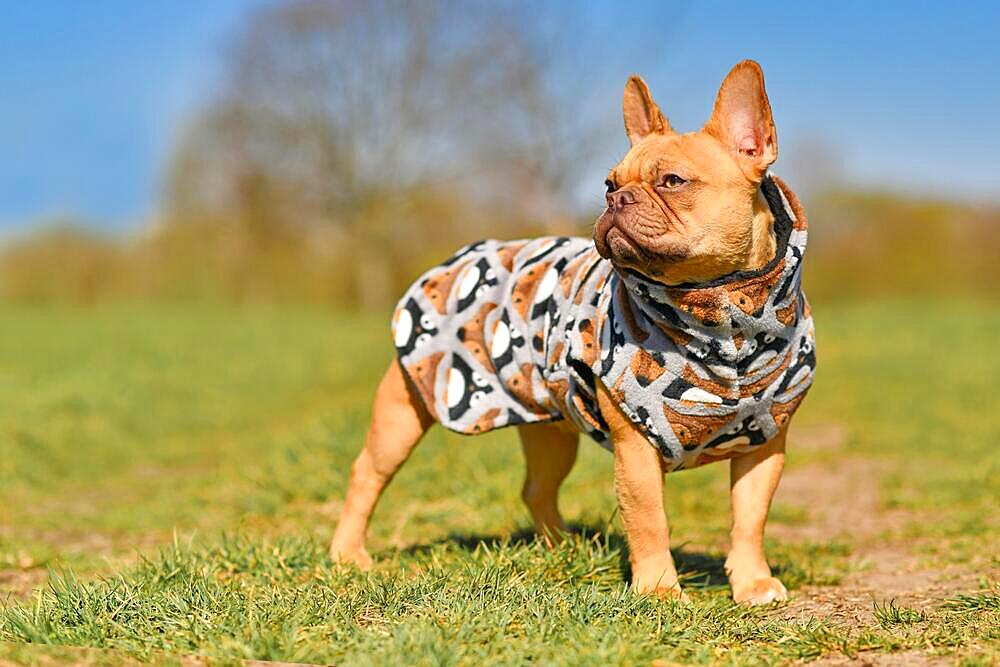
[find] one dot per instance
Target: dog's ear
(642, 116)
(742, 120)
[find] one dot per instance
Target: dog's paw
(663, 587)
(760, 591)
(672, 593)
(358, 557)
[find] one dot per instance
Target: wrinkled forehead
(693, 155)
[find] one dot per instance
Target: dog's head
(685, 207)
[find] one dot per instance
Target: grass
(889, 613)
(177, 473)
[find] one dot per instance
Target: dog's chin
(621, 249)
(624, 252)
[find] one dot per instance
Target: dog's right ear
(742, 120)
(642, 116)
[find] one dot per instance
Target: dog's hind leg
(549, 451)
(399, 420)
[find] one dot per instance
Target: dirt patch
(841, 499)
(829, 436)
(898, 659)
(45, 655)
(21, 574)
(841, 496)
(20, 583)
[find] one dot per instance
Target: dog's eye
(673, 181)
(610, 185)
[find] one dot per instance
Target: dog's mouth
(621, 247)
(616, 244)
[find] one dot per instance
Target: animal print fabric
(517, 332)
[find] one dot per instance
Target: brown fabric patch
(589, 352)
(786, 315)
(751, 295)
(474, 336)
(763, 383)
(708, 305)
(570, 273)
(507, 254)
(556, 354)
(717, 388)
(782, 412)
(438, 286)
(693, 430)
(521, 386)
(423, 374)
(485, 421)
(645, 368)
(524, 291)
(558, 390)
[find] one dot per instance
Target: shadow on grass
(697, 569)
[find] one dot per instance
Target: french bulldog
(678, 335)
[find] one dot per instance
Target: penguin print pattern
(516, 332)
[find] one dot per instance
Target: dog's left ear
(742, 120)
(642, 116)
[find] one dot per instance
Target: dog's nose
(620, 198)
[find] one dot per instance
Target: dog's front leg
(753, 479)
(639, 486)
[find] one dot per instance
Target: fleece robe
(516, 332)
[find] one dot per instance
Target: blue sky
(906, 95)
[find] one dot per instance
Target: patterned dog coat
(517, 332)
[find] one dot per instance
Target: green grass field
(170, 477)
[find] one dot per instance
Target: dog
(678, 335)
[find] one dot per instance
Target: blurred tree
(384, 126)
